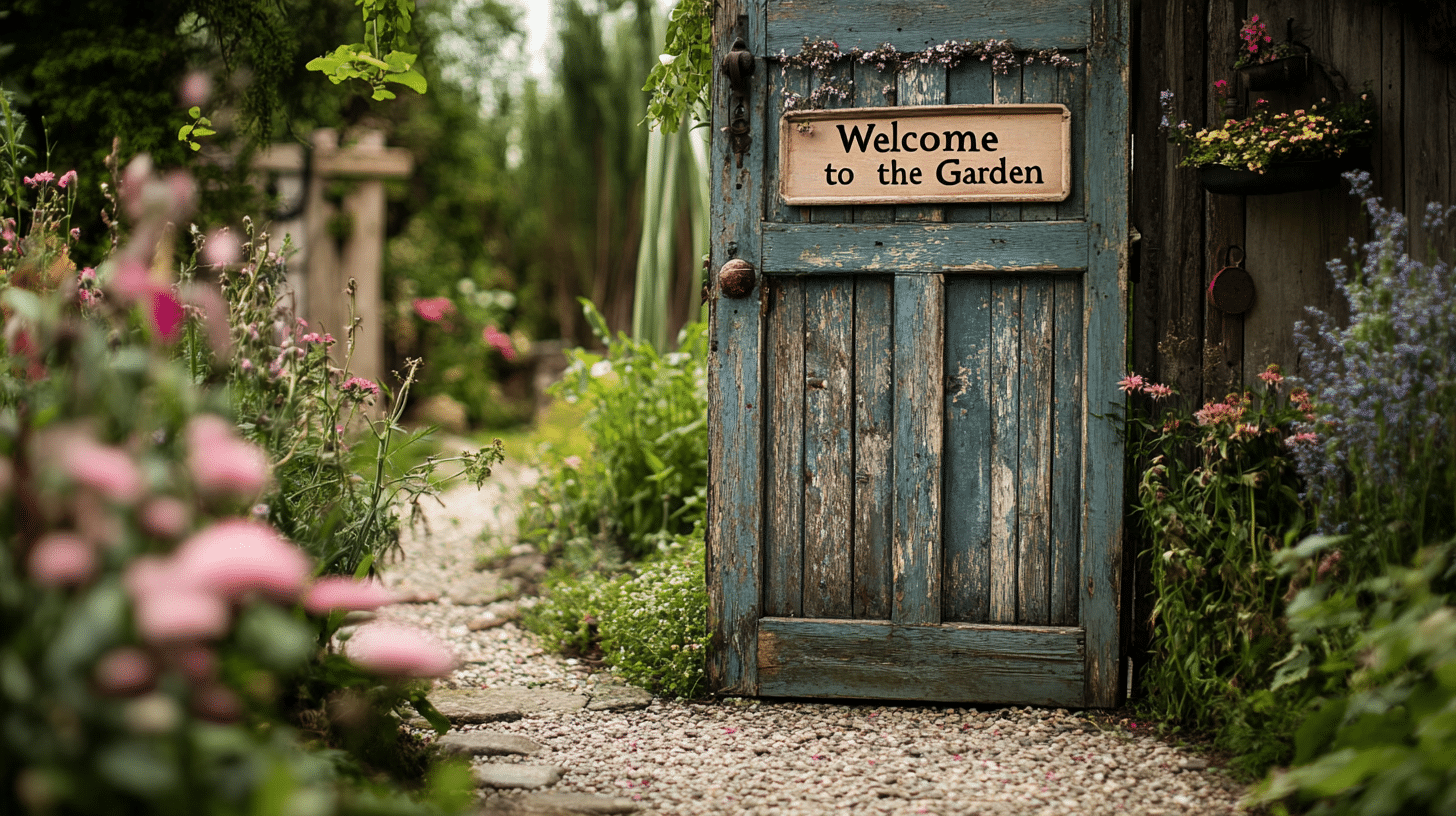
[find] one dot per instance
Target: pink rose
(62, 560)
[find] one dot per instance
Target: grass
(556, 432)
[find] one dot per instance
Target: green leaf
(411, 79)
(183, 132)
(1317, 732)
(432, 715)
(194, 111)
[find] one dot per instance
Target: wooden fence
(1395, 51)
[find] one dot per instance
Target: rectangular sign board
(926, 155)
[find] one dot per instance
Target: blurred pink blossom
(500, 341)
(164, 517)
(360, 389)
(220, 461)
(339, 592)
(166, 315)
(434, 309)
(573, 462)
(62, 560)
(179, 613)
(124, 671)
(221, 248)
(236, 557)
(396, 650)
(217, 703)
(195, 89)
(198, 663)
(109, 471)
(69, 177)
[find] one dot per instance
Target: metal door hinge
(738, 65)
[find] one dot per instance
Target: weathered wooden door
(915, 487)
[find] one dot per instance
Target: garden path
(551, 736)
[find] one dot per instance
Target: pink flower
(339, 592)
(220, 461)
(69, 177)
(1301, 439)
(61, 560)
(217, 703)
(1271, 376)
(43, 177)
(395, 650)
(500, 341)
(221, 249)
(1131, 383)
(107, 470)
(164, 517)
(573, 462)
(166, 315)
(124, 671)
(1157, 391)
(434, 309)
(236, 557)
(178, 614)
(198, 663)
(360, 389)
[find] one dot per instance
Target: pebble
(735, 755)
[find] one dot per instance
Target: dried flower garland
(822, 54)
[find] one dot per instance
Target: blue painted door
(914, 492)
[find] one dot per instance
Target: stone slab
(486, 743)
(613, 697)
(559, 804)
(502, 704)
(517, 776)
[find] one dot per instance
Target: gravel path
(766, 757)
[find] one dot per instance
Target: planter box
(1281, 74)
(1289, 177)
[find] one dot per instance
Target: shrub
(648, 426)
(1219, 500)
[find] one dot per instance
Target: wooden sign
(926, 155)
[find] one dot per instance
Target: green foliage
(1218, 501)
(647, 422)
(378, 60)
(1384, 745)
(679, 83)
(199, 127)
(651, 627)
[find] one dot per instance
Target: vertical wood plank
(1006, 90)
(735, 410)
(874, 429)
(783, 80)
(841, 74)
(919, 433)
(828, 460)
(1106, 335)
(1427, 133)
(1223, 340)
(1391, 87)
(1033, 520)
(1039, 84)
(874, 88)
(968, 359)
(1067, 412)
(1005, 445)
(970, 83)
(784, 409)
(1072, 92)
(920, 85)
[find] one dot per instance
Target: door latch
(738, 65)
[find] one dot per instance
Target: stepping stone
(612, 697)
(564, 804)
(486, 743)
(516, 776)
(501, 704)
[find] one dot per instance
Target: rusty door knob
(736, 278)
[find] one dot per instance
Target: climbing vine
(822, 54)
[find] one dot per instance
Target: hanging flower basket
(1281, 74)
(1285, 177)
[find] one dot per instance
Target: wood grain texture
(828, 455)
(912, 26)
(1072, 92)
(783, 80)
(1039, 85)
(919, 431)
(966, 586)
(1033, 511)
(879, 248)
(951, 662)
(784, 405)
(1006, 418)
(1106, 303)
(920, 85)
(970, 83)
(735, 410)
(874, 431)
(841, 74)
(874, 89)
(1068, 411)
(1006, 90)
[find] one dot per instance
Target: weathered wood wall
(1184, 46)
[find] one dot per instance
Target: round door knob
(736, 278)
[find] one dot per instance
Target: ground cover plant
(625, 522)
(166, 646)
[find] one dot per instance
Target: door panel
(911, 496)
